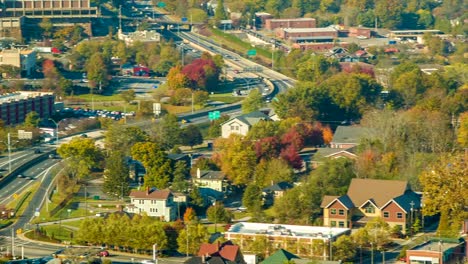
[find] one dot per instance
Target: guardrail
(24, 166)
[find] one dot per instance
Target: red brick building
(359, 32)
(318, 46)
(288, 33)
(366, 199)
(272, 24)
(15, 106)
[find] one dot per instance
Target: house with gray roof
(349, 136)
(322, 154)
(242, 124)
(212, 184)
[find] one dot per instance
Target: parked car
(103, 253)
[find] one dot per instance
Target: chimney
(198, 173)
(147, 190)
(203, 259)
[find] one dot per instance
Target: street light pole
(9, 152)
(56, 130)
(372, 253)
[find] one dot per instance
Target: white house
(157, 203)
(242, 124)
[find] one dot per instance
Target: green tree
(97, 71)
(220, 12)
(46, 27)
(181, 174)
(444, 184)
(167, 132)
(32, 119)
(82, 155)
(218, 214)
(196, 234)
(253, 102)
(128, 95)
(251, 200)
(157, 165)
(116, 175)
(344, 249)
(122, 138)
(196, 200)
(236, 159)
(273, 171)
(191, 136)
(214, 130)
(462, 132)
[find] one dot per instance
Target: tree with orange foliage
(190, 216)
(327, 135)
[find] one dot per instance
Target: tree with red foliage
(293, 138)
(267, 148)
(202, 74)
(49, 70)
(311, 133)
(290, 155)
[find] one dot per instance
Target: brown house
(222, 253)
(366, 199)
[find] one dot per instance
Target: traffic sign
(214, 115)
(184, 19)
(251, 52)
(15, 195)
(161, 4)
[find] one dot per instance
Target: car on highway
(37, 151)
(103, 253)
(20, 176)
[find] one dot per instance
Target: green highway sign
(161, 4)
(251, 52)
(214, 115)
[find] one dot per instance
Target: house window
(341, 212)
(340, 224)
(399, 215)
(386, 214)
(370, 209)
(153, 210)
(333, 223)
(141, 201)
(333, 211)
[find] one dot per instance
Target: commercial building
(300, 240)
(139, 36)
(48, 8)
(288, 33)
(272, 24)
(15, 106)
(437, 252)
(23, 59)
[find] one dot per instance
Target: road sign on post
(251, 52)
(161, 4)
(184, 19)
(214, 115)
(156, 108)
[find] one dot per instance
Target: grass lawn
(97, 97)
(238, 44)
(239, 215)
(53, 233)
(219, 228)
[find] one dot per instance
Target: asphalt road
(42, 172)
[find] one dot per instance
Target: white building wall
(155, 208)
(212, 184)
(234, 127)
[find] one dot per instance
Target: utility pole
(411, 218)
(13, 243)
(86, 200)
(192, 101)
(372, 253)
(120, 20)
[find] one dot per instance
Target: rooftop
(307, 30)
(319, 232)
(151, 194)
(292, 19)
(436, 246)
(22, 95)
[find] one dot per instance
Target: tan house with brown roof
(366, 199)
(156, 203)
